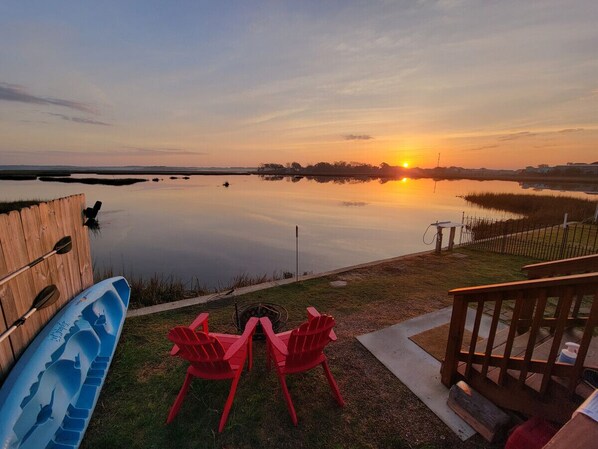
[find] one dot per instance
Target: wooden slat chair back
(307, 342)
(301, 350)
(202, 351)
(212, 357)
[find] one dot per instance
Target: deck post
(451, 238)
(448, 369)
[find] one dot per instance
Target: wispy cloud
(83, 120)
(17, 93)
(484, 147)
(35, 121)
(571, 130)
(515, 136)
(357, 137)
(157, 151)
(123, 151)
(354, 203)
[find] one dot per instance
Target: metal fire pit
(278, 315)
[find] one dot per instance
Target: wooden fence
(525, 238)
(24, 236)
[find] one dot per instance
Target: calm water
(199, 229)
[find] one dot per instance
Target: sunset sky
(497, 84)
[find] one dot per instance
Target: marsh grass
(380, 413)
(541, 209)
(158, 289)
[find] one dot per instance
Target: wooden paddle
(62, 246)
(48, 296)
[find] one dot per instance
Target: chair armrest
(202, 319)
(242, 341)
(312, 313)
(272, 338)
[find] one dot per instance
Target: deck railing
(584, 264)
(559, 305)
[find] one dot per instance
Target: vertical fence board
(83, 245)
(15, 252)
(24, 236)
(40, 274)
(6, 356)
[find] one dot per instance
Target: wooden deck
(517, 368)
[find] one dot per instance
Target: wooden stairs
(517, 367)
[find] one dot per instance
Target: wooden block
(477, 411)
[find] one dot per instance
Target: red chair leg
(268, 356)
(333, 385)
(287, 398)
(179, 399)
(229, 400)
(250, 353)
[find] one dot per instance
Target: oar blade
(48, 296)
(64, 245)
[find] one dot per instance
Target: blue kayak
(48, 398)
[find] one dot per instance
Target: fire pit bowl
(278, 315)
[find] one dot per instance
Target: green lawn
(380, 412)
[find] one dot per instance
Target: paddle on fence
(48, 296)
(62, 246)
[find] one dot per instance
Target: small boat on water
(49, 396)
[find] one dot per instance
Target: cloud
(571, 130)
(14, 92)
(35, 121)
(353, 203)
(515, 136)
(485, 147)
(85, 121)
(357, 137)
(157, 151)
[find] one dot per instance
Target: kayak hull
(49, 396)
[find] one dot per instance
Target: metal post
(596, 214)
(296, 252)
(565, 235)
(438, 240)
(462, 225)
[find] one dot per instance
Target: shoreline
(29, 175)
(174, 305)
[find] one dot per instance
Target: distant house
(570, 169)
(578, 168)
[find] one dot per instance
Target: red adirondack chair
(211, 356)
(300, 350)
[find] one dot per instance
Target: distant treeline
(340, 168)
(386, 171)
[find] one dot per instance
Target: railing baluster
(531, 343)
(510, 338)
(492, 333)
(474, 335)
(584, 344)
(562, 313)
(577, 304)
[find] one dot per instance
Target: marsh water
(197, 229)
